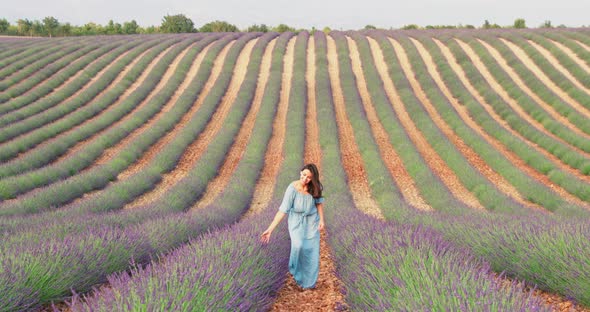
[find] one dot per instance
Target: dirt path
(109, 153)
(156, 148)
(232, 160)
(195, 150)
(80, 145)
(513, 158)
(572, 55)
(519, 83)
(392, 160)
(351, 156)
(472, 156)
(273, 157)
(313, 151)
(530, 64)
(502, 93)
(437, 164)
(326, 296)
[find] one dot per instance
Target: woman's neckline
(295, 187)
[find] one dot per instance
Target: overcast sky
(337, 14)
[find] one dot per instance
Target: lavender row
(87, 101)
(23, 62)
(45, 80)
(44, 97)
(10, 86)
(16, 185)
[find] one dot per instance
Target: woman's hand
(265, 237)
(321, 225)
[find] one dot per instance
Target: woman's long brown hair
(315, 188)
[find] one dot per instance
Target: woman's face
(305, 176)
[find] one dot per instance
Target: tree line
(179, 23)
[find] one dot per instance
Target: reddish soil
(500, 91)
(197, 148)
(313, 151)
(432, 159)
(351, 156)
(530, 64)
(274, 153)
(153, 151)
(513, 158)
(473, 157)
(230, 163)
(556, 302)
(390, 157)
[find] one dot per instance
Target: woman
(303, 203)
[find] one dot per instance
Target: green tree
(281, 28)
(367, 27)
(130, 27)
(411, 26)
(178, 23)
(51, 25)
(37, 28)
(66, 29)
(547, 24)
(4, 25)
(258, 28)
(219, 26)
(24, 27)
(519, 23)
(327, 30)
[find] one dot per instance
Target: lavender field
(137, 172)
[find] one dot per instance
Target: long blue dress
(303, 221)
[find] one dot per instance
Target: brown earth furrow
(326, 296)
(313, 151)
(390, 157)
(351, 156)
(519, 83)
(555, 62)
(232, 160)
(554, 301)
(273, 158)
(472, 156)
(156, 148)
(530, 64)
(431, 157)
(500, 91)
(572, 55)
(193, 153)
(80, 145)
(513, 158)
(109, 153)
